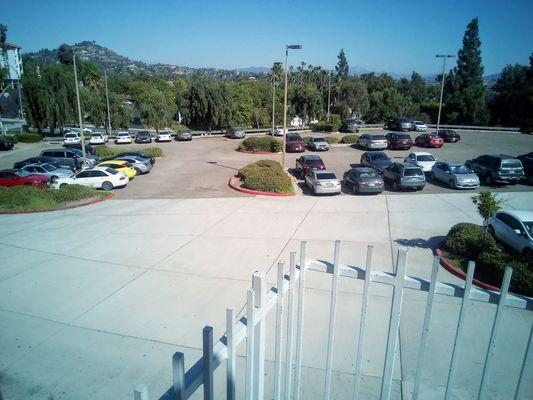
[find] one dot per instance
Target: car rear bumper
(327, 190)
(300, 149)
(370, 189)
(377, 146)
(467, 186)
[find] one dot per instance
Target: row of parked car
(125, 137)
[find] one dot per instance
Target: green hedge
(469, 243)
(32, 198)
(266, 176)
(349, 139)
(107, 152)
(333, 125)
(332, 140)
(261, 143)
(28, 137)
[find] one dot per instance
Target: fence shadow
(420, 243)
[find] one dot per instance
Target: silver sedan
(49, 170)
(140, 165)
(455, 175)
(323, 182)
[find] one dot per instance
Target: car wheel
(139, 172)
(431, 176)
(354, 189)
(63, 185)
(488, 179)
(107, 186)
(491, 231)
(395, 186)
(53, 178)
(452, 184)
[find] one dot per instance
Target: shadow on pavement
(420, 243)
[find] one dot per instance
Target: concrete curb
(93, 201)
(460, 273)
(234, 183)
(257, 152)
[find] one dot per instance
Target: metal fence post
(230, 344)
(279, 331)
(332, 316)
(290, 323)
(140, 392)
(178, 375)
(209, 393)
(494, 333)
(258, 284)
(394, 324)
(300, 324)
(362, 325)
(250, 334)
(459, 330)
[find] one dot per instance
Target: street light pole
(107, 101)
(329, 92)
(444, 57)
(273, 96)
(79, 111)
(293, 47)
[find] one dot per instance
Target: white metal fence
(287, 381)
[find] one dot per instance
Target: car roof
(114, 161)
(118, 133)
(363, 169)
(522, 215)
(311, 157)
(502, 156)
(421, 153)
(410, 165)
(325, 171)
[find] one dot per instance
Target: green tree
(3, 35)
(487, 205)
(36, 97)
(388, 103)
(417, 88)
(342, 66)
(156, 109)
(505, 104)
(526, 103)
(65, 54)
(60, 95)
(350, 96)
(465, 102)
(306, 102)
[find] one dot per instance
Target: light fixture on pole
(329, 93)
(443, 76)
(291, 47)
(79, 111)
(107, 101)
(274, 70)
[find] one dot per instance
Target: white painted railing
(259, 303)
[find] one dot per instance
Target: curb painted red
(460, 273)
(93, 201)
(234, 183)
(257, 152)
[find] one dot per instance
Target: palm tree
(276, 75)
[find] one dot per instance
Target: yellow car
(122, 166)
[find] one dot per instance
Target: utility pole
(444, 57)
(329, 92)
(79, 111)
(294, 47)
(273, 96)
(107, 100)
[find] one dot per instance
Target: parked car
(323, 182)
(141, 166)
(140, 154)
(515, 229)
(429, 140)
(72, 138)
(527, 164)
(419, 126)
(351, 125)
(403, 176)
(120, 165)
(89, 150)
(17, 177)
(69, 153)
(304, 164)
(376, 160)
(98, 138)
(318, 144)
(76, 128)
(6, 144)
(49, 170)
(164, 136)
(449, 135)
(184, 134)
(143, 137)
(294, 143)
(455, 175)
(363, 180)
(497, 168)
(58, 162)
(372, 141)
(399, 141)
(425, 161)
(235, 133)
(99, 178)
(123, 138)
(398, 124)
(277, 131)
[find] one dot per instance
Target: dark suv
(527, 163)
(497, 168)
(399, 141)
(143, 137)
(398, 124)
(306, 163)
(402, 176)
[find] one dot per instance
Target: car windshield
(71, 135)
(511, 164)
(460, 169)
(111, 171)
(379, 157)
(377, 137)
(403, 137)
(425, 157)
(96, 135)
(419, 123)
(23, 173)
(412, 172)
(49, 167)
(78, 152)
(314, 162)
(434, 137)
(368, 174)
(294, 139)
(529, 227)
(326, 175)
(143, 134)
(319, 140)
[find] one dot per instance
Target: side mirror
(518, 232)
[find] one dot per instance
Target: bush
(266, 176)
(306, 140)
(109, 152)
(333, 125)
(261, 143)
(28, 137)
(11, 138)
(332, 140)
(153, 151)
(349, 139)
(105, 151)
(468, 240)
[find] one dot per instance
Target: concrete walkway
(98, 298)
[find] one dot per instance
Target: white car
(98, 177)
(77, 129)
(424, 160)
(419, 126)
(322, 181)
(123, 138)
(72, 138)
(49, 170)
(515, 229)
(164, 136)
(98, 138)
(278, 131)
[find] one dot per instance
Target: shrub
(153, 151)
(349, 139)
(73, 193)
(261, 143)
(266, 176)
(108, 152)
(468, 240)
(11, 138)
(105, 151)
(306, 140)
(332, 140)
(324, 126)
(28, 137)
(491, 266)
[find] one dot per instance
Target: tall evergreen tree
(342, 65)
(465, 102)
(64, 53)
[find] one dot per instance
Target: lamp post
(444, 57)
(329, 92)
(80, 119)
(107, 101)
(291, 47)
(2, 132)
(276, 64)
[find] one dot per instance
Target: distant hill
(489, 80)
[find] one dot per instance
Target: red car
(16, 177)
(449, 135)
(427, 140)
(399, 141)
(294, 144)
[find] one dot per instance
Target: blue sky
(394, 36)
